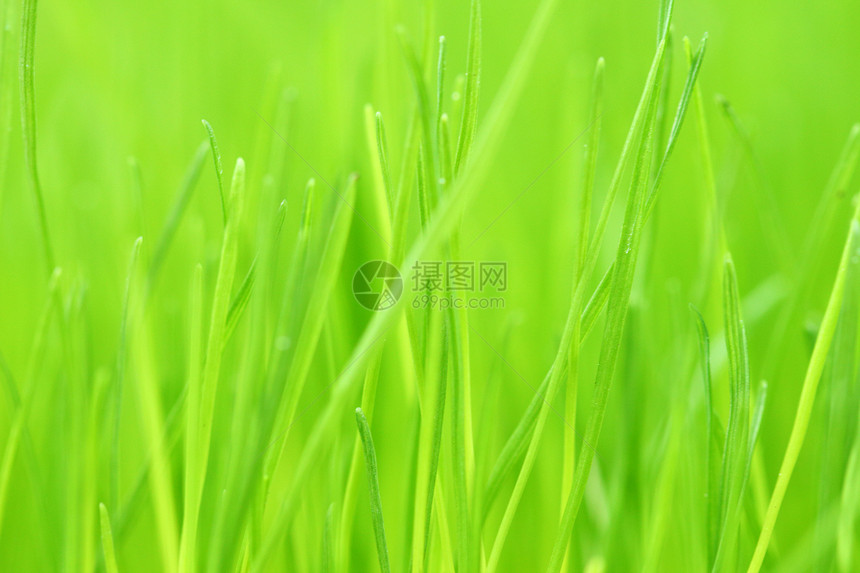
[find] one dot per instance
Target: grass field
(433, 286)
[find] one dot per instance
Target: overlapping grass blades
(807, 395)
(203, 388)
(464, 188)
(297, 360)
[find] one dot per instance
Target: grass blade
(429, 446)
(311, 326)
(328, 561)
(119, 374)
(180, 204)
(22, 412)
(848, 509)
(373, 485)
(767, 209)
(188, 536)
(208, 379)
(240, 301)
(713, 442)
(807, 396)
(107, 540)
(469, 121)
(594, 120)
(736, 453)
(618, 301)
(219, 170)
(465, 187)
(27, 71)
(151, 419)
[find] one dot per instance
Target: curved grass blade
(368, 399)
(373, 485)
(7, 88)
(807, 395)
(838, 414)
(26, 70)
(713, 441)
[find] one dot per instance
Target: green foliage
(199, 363)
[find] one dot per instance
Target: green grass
(189, 383)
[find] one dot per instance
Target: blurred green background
(121, 79)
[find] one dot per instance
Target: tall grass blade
(590, 166)
(311, 326)
(713, 439)
(119, 375)
(27, 73)
(807, 395)
(617, 304)
(735, 452)
(373, 485)
(208, 380)
(188, 536)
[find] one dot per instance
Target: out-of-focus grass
(205, 394)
